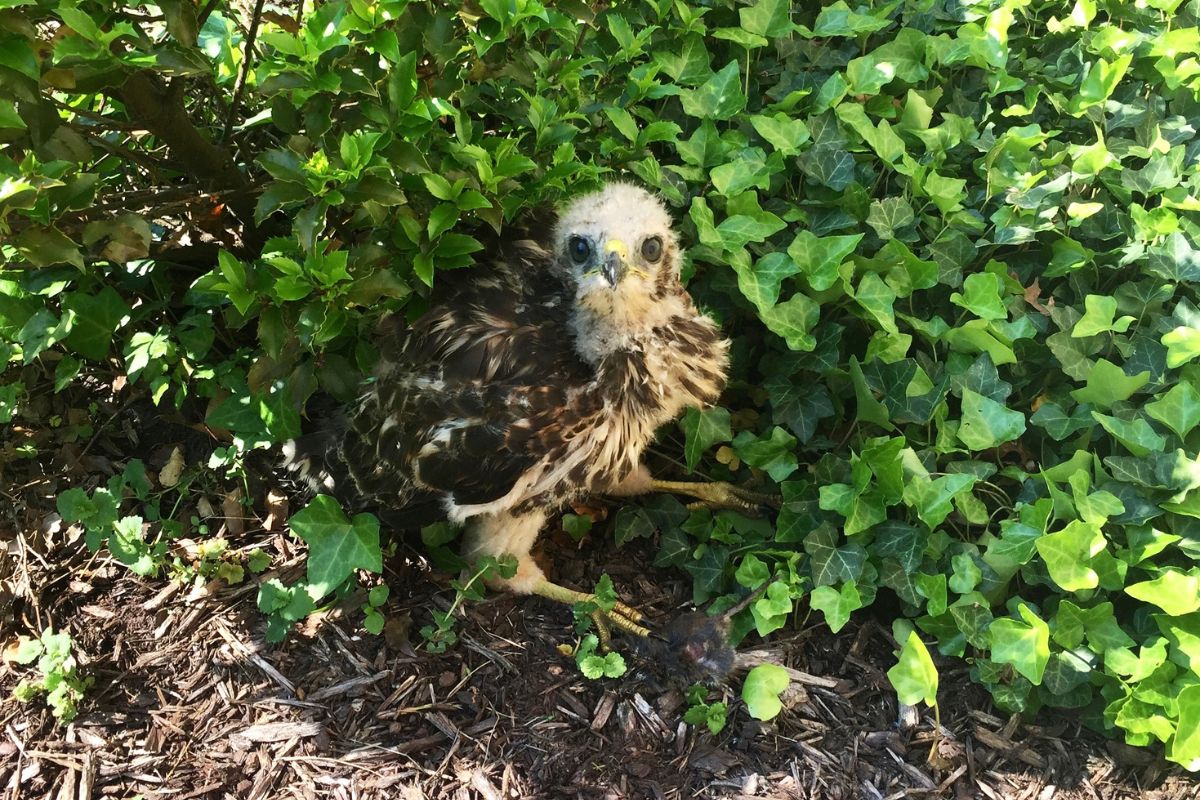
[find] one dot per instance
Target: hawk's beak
(616, 260)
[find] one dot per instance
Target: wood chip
(604, 709)
(348, 686)
(277, 732)
(1009, 749)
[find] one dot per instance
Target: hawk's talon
(602, 632)
(718, 495)
(620, 616)
(627, 611)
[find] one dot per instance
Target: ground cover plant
(955, 244)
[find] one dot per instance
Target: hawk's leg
(500, 534)
(713, 494)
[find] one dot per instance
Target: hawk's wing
(505, 321)
(475, 392)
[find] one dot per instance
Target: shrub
(954, 242)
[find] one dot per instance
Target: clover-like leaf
(762, 688)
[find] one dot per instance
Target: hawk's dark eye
(579, 248)
(652, 249)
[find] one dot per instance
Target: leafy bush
(954, 242)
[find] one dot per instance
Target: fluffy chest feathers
(679, 363)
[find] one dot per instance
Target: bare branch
(247, 57)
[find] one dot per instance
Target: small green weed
(58, 674)
(440, 634)
(702, 712)
(594, 665)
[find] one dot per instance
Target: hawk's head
(619, 246)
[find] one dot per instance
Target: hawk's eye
(652, 249)
(579, 248)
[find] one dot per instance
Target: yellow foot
(621, 616)
(718, 495)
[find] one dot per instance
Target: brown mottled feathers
(487, 392)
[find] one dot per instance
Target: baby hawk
(535, 382)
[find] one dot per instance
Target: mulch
(189, 700)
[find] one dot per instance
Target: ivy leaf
(901, 541)
(1051, 417)
(1069, 552)
(761, 284)
(97, 317)
(1137, 436)
(799, 407)
(748, 170)
(1178, 409)
(832, 564)
(752, 572)
(914, 677)
(890, 216)
(819, 257)
(794, 320)
(720, 97)
(1175, 592)
(981, 296)
(1184, 747)
(770, 18)
(1099, 317)
(1183, 345)
(986, 423)
(776, 455)
(782, 132)
(631, 523)
(877, 299)
(337, 546)
(762, 688)
(966, 573)
(703, 429)
(770, 612)
(41, 331)
(837, 19)
(983, 378)
(741, 229)
(1023, 643)
(1108, 384)
(836, 605)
